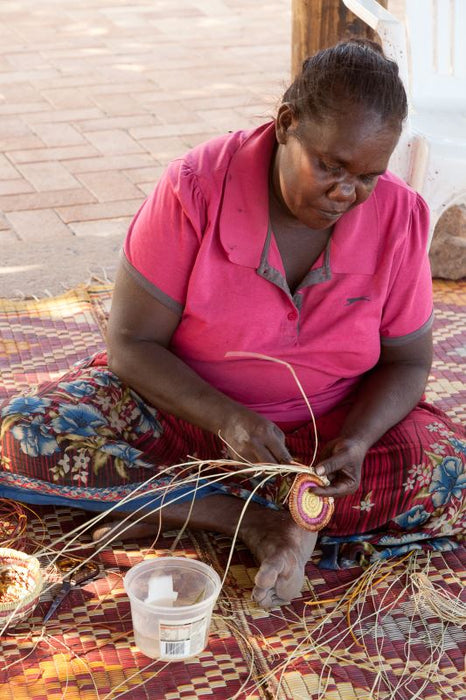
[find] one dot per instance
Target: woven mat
(87, 650)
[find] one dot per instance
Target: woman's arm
(138, 340)
(385, 396)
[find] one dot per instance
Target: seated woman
(291, 240)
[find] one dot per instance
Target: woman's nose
(343, 191)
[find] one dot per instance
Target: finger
(340, 486)
(278, 446)
(334, 464)
(273, 450)
(281, 454)
(258, 453)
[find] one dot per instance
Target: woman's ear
(284, 121)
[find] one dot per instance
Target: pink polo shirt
(202, 245)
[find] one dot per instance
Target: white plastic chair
(430, 49)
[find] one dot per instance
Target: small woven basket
(20, 586)
(308, 510)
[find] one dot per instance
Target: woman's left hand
(341, 463)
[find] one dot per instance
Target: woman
(290, 240)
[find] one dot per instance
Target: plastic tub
(172, 599)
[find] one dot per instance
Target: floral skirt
(90, 441)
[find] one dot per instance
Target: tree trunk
(317, 24)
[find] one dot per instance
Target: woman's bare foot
(280, 547)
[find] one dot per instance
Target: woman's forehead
(345, 139)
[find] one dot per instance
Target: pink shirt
(201, 244)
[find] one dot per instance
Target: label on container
(181, 639)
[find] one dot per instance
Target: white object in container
(160, 591)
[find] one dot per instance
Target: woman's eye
(333, 169)
(368, 179)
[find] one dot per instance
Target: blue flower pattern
(78, 420)
(413, 517)
(448, 480)
(123, 451)
(458, 445)
(26, 405)
(77, 389)
(35, 438)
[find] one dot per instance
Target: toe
(267, 598)
(268, 573)
(289, 588)
(101, 533)
(290, 583)
(279, 578)
(264, 593)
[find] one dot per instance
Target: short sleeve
(408, 309)
(164, 237)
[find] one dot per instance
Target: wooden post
(317, 24)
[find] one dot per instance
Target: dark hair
(354, 72)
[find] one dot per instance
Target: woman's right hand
(254, 439)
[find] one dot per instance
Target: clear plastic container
(172, 599)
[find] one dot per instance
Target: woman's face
(321, 171)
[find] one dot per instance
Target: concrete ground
(96, 96)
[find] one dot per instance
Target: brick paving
(96, 96)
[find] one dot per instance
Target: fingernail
(320, 471)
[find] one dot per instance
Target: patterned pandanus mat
(394, 630)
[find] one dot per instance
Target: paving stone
(8, 238)
(196, 126)
(37, 155)
(26, 142)
(121, 87)
(65, 115)
(108, 186)
(150, 174)
(116, 104)
(7, 170)
(15, 187)
(59, 134)
(165, 149)
(94, 212)
(101, 229)
(22, 76)
(48, 176)
(19, 93)
(43, 224)
(146, 187)
(14, 130)
(45, 200)
(113, 141)
(123, 122)
(68, 98)
(26, 59)
(4, 226)
(24, 108)
(86, 165)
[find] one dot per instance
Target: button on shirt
(202, 245)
